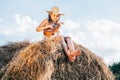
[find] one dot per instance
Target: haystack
(9, 50)
(46, 60)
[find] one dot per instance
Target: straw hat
(55, 10)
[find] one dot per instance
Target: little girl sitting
(50, 28)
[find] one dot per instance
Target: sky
(95, 24)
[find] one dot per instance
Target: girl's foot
(73, 55)
(70, 57)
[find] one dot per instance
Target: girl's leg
(64, 45)
(67, 51)
(69, 44)
(73, 52)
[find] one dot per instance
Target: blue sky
(93, 23)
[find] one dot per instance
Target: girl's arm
(43, 26)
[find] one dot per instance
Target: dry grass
(8, 51)
(46, 60)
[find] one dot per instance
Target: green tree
(115, 67)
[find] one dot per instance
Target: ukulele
(51, 31)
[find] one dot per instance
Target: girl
(50, 28)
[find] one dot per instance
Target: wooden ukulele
(51, 31)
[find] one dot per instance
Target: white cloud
(105, 33)
(110, 59)
(20, 26)
(69, 24)
(1, 20)
(69, 28)
(5, 32)
(25, 24)
(17, 18)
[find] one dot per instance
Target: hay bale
(8, 51)
(47, 61)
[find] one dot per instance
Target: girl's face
(55, 17)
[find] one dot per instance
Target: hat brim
(54, 13)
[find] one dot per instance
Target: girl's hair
(50, 19)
